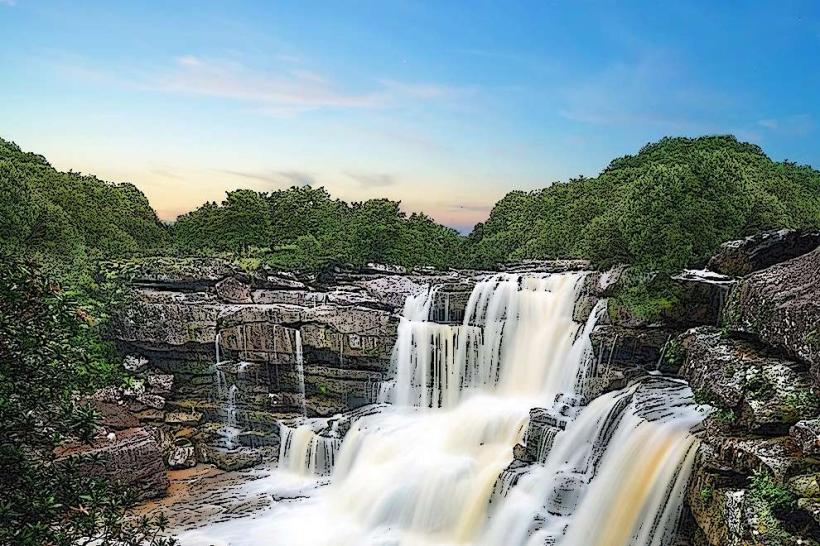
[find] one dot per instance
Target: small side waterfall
(303, 451)
(300, 370)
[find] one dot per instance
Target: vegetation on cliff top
(666, 208)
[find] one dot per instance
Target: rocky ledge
(746, 339)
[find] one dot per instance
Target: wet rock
(232, 290)
(807, 436)
(781, 306)
(133, 363)
(160, 383)
(621, 346)
(230, 459)
(764, 394)
(183, 417)
(133, 458)
(762, 250)
(182, 454)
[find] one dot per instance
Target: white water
(423, 471)
(300, 370)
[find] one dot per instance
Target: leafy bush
(773, 494)
(47, 358)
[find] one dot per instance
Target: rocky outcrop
(761, 393)
(130, 457)
(744, 256)
(780, 305)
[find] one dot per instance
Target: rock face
(744, 256)
(215, 345)
(781, 306)
(753, 478)
(764, 394)
(130, 457)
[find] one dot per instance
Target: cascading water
(300, 370)
(422, 470)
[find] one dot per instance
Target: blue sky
(444, 105)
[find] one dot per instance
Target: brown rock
(133, 458)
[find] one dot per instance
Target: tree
(44, 365)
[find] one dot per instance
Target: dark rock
(762, 250)
(131, 458)
(114, 416)
(781, 305)
(807, 436)
(630, 347)
(764, 394)
(232, 290)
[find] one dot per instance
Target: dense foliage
(306, 228)
(665, 208)
(66, 220)
(45, 363)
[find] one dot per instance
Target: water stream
(425, 468)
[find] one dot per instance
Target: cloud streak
(275, 178)
(373, 180)
(285, 92)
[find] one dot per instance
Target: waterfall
(432, 468)
(304, 452)
(300, 370)
(615, 476)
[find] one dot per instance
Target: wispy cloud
(275, 178)
(652, 90)
(284, 92)
(797, 125)
(372, 180)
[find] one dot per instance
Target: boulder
(114, 416)
(764, 394)
(807, 436)
(160, 383)
(781, 306)
(182, 454)
(230, 459)
(744, 256)
(232, 290)
(129, 457)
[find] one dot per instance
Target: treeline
(306, 228)
(65, 220)
(666, 208)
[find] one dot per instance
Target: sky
(446, 106)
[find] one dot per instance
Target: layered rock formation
(246, 351)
